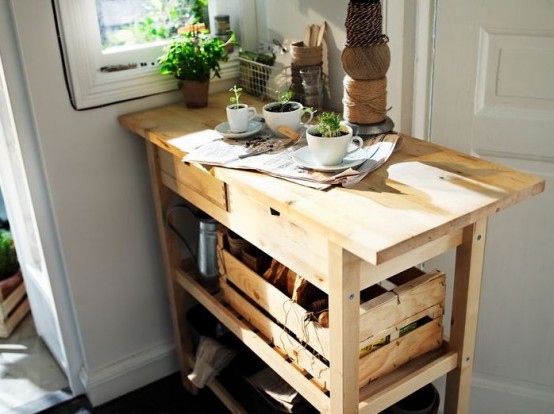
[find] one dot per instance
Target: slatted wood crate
(14, 304)
(400, 319)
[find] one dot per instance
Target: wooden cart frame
(424, 201)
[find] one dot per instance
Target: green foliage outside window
(162, 19)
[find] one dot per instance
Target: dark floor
(166, 396)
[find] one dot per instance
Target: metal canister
(206, 255)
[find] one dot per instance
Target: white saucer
(253, 128)
(304, 158)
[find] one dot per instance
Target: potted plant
(329, 139)
(236, 97)
(329, 125)
(9, 264)
(238, 114)
(193, 58)
(286, 112)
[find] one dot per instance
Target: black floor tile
(166, 396)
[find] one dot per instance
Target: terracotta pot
(195, 93)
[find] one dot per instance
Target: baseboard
(497, 395)
(126, 375)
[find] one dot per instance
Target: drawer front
(193, 183)
(294, 244)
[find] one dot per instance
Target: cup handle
(360, 144)
(252, 112)
(310, 113)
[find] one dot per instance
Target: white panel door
(494, 98)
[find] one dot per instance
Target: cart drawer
(185, 179)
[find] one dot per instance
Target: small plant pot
(236, 244)
(290, 115)
(329, 151)
(238, 116)
(302, 55)
(195, 93)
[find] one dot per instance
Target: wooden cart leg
(170, 252)
(344, 316)
(465, 309)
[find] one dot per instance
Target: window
(128, 23)
(110, 47)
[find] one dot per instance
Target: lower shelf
(374, 397)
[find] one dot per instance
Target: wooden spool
(366, 62)
(365, 101)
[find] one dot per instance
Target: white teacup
(330, 151)
(292, 119)
(238, 116)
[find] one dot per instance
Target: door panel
(514, 93)
(493, 97)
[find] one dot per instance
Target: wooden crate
(14, 304)
(400, 320)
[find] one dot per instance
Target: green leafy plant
(284, 98)
(194, 56)
(162, 20)
(8, 257)
(329, 124)
(236, 91)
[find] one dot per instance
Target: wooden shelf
(221, 392)
(374, 397)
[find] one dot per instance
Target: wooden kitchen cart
(424, 201)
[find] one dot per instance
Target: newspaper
(272, 155)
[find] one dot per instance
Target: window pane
(134, 22)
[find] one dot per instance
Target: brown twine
(364, 24)
(366, 62)
(304, 338)
(365, 101)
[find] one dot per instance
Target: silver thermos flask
(206, 254)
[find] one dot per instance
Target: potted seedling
(329, 125)
(329, 139)
(238, 114)
(286, 112)
(193, 58)
(235, 98)
(9, 264)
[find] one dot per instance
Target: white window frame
(90, 87)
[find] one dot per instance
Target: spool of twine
(366, 62)
(364, 24)
(365, 101)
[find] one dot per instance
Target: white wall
(96, 176)
(286, 20)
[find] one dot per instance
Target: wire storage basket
(264, 81)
